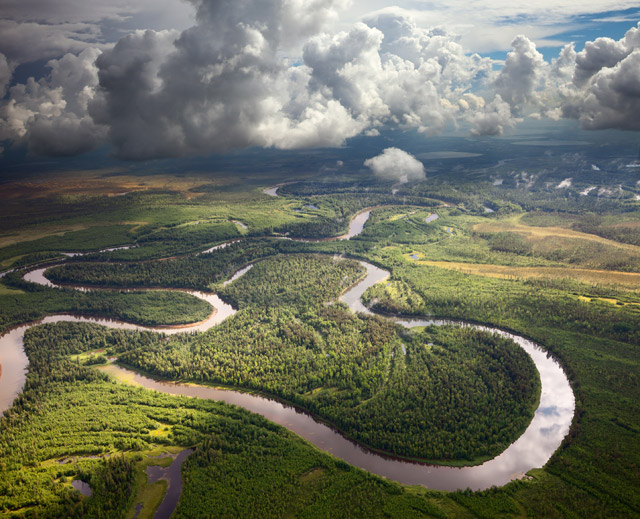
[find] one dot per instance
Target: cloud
(605, 88)
(521, 75)
(26, 42)
(218, 85)
(50, 115)
(40, 29)
(222, 84)
(34, 31)
(630, 17)
(5, 74)
(127, 100)
(87, 11)
(396, 164)
(612, 99)
(226, 82)
(490, 25)
(598, 54)
(493, 120)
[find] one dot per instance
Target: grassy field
(592, 276)
(536, 233)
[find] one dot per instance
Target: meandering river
(536, 445)
(356, 226)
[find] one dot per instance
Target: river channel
(532, 450)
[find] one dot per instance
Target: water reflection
(356, 226)
(221, 310)
(173, 476)
(82, 487)
(533, 449)
(542, 437)
(238, 274)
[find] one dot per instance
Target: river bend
(532, 450)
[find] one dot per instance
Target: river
(356, 226)
(536, 445)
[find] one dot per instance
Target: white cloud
(222, 83)
(489, 25)
(396, 164)
(596, 55)
(219, 85)
(521, 75)
(631, 18)
(491, 119)
(50, 115)
(226, 82)
(605, 91)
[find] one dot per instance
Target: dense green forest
(25, 302)
(361, 373)
(199, 271)
(301, 281)
(352, 371)
(596, 342)
(243, 465)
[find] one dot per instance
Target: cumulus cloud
(218, 85)
(596, 55)
(492, 118)
(604, 91)
(521, 75)
(599, 85)
(397, 165)
(563, 67)
(490, 25)
(226, 82)
(612, 98)
(222, 84)
(50, 115)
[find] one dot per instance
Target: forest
(198, 271)
(25, 302)
(356, 373)
(237, 454)
(445, 394)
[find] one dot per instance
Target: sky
(142, 80)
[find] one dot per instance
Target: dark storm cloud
(5, 74)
